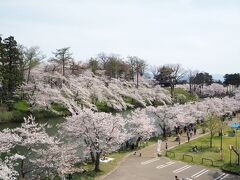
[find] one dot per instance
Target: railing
(186, 155)
(207, 159)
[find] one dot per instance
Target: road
(146, 168)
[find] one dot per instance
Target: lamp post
(221, 137)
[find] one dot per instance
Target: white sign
(159, 145)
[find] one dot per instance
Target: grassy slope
(21, 109)
(179, 93)
(188, 95)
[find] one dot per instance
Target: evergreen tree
(11, 68)
(62, 57)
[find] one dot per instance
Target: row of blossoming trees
(28, 151)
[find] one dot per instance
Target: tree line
(17, 61)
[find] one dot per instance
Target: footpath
(151, 151)
(130, 167)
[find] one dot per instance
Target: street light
(221, 134)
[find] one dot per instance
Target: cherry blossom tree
(164, 117)
(33, 136)
(139, 125)
(101, 132)
(7, 171)
(87, 89)
(212, 90)
(8, 140)
(59, 159)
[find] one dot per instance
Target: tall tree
(11, 68)
(137, 66)
(213, 123)
(93, 64)
(101, 132)
(232, 80)
(112, 66)
(191, 76)
(75, 67)
(62, 57)
(102, 59)
(169, 75)
(32, 58)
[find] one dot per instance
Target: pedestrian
(166, 146)
(176, 178)
(185, 129)
(191, 133)
(176, 130)
(188, 137)
(179, 140)
(195, 131)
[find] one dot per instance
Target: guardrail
(187, 155)
(170, 152)
(207, 159)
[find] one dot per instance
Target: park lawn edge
(226, 167)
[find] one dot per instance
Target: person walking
(179, 139)
(191, 133)
(188, 137)
(195, 131)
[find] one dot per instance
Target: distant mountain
(218, 77)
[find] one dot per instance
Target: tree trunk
(21, 169)
(137, 78)
(164, 133)
(97, 162)
(137, 142)
(211, 138)
(28, 76)
(92, 157)
(172, 90)
(63, 68)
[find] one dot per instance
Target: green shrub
(61, 109)
(128, 100)
(157, 103)
(132, 101)
(180, 98)
(12, 116)
(21, 105)
(102, 106)
(6, 116)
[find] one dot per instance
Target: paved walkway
(150, 167)
(151, 151)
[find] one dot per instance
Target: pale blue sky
(199, 34)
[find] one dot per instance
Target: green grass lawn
(182, 96)
(204, 151)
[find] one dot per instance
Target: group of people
(190, 130)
